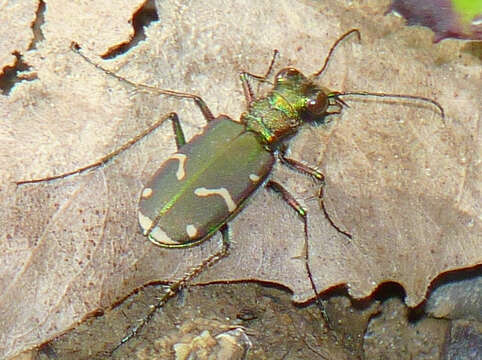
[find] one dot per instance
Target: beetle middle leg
(105, 159)
(301, 167)
(180, 139)
(316, 174)
(295, 205)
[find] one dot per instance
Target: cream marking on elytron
(156, 235)
(253, 177)
(181, 173)
(202, 191)
(146, 193)
(191, 231)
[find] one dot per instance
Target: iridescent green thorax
(293, 100)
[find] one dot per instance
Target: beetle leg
(244, 76)
(288, 198)
(323, 208)
(171, 116)
(248, 92)
(301, 167)
(180, 284)
(178, 132)
(208, 115)
(295, 205)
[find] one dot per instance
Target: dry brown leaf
(403, 183)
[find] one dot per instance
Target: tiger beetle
(208, 181)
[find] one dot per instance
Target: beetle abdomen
(201, 186)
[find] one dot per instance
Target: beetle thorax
(270, 122)
(293, 100)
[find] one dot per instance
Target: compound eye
(286, 75)
(318, 105)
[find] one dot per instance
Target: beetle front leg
(244, 75)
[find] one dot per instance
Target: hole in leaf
(38, 35)
(143, 17)
(11, 75)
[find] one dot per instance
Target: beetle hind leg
(178, 132)
(177, 286)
